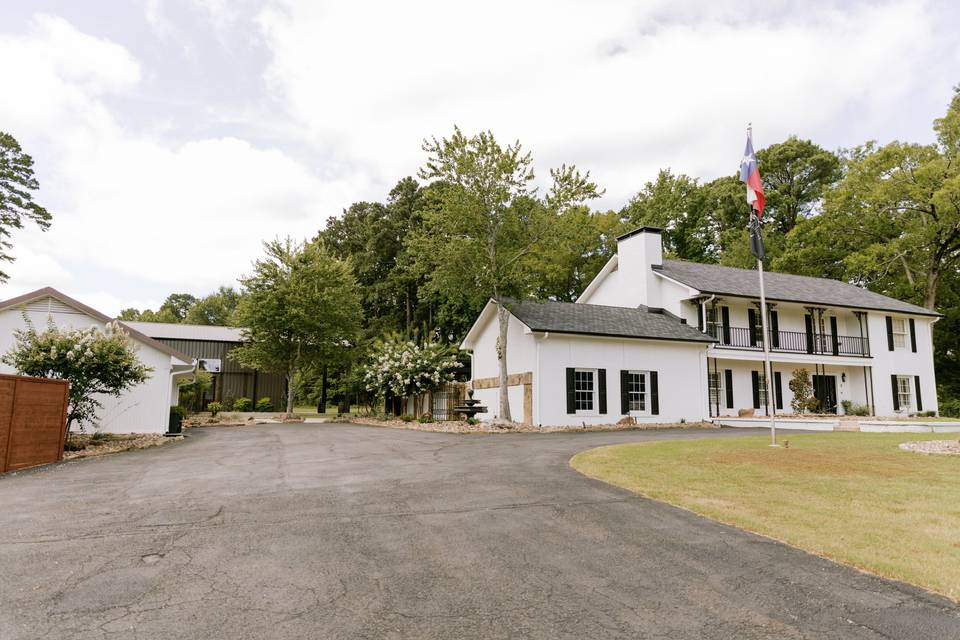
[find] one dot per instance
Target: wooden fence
(33, 420)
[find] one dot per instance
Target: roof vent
(683, 321)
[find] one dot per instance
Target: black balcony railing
(793, 341)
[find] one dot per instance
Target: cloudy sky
(172, 136)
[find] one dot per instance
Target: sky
(172, 137)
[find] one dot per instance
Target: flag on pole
(750, 175)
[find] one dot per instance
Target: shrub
(802, 390)
(214, 408)
(473, 420)
(407, 417)
(97, 436)
(950, 408)
(425, 418)
(264, 404)
(242, 404)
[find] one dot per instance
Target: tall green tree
(796, 174)
(300, 307)
(676, 204)
(17, 187)
(487, 222)
(217, 308)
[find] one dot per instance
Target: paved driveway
(309, 531)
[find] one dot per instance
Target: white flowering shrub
(95, 361)
(404, 368)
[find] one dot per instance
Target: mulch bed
(113, 443)
(946, 447)
(452, 426)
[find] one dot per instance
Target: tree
(217, 308)
(486, 223)
(300, 307)
(802, 390)
(676, 204)
(95, 361)
(796, 173)
(404, 368)
(17, 184)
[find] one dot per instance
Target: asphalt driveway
(336, 531)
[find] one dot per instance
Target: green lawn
(851, 497)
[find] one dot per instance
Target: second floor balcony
(792, 341)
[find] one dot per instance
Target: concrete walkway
(336, 531)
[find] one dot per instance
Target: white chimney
(637, 251)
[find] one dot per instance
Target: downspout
(536, 381)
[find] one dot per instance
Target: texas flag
(750, 175)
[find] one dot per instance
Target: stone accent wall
(513, 380)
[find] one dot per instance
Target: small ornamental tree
(404, 368)
(95, 361)
(802, 390)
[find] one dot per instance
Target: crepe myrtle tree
(404, 368)
(95, 361)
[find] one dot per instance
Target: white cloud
(617, 87)
(188, 216)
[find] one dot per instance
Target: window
(713, 321)
(762, 388)
(716, 387)
(637, 391)
(904, 393)
(899, 333)
(584, 389)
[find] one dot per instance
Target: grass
(855, 498)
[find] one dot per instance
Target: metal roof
(600, 320)
(783, 287)
(176, 331)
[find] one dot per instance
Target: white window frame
(715, 385)
(899, 333)
(595, 396)
(643, 396)
(905, 393)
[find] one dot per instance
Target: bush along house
(668, 340)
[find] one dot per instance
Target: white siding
(902, 362)
(143, 409)
(521, 350)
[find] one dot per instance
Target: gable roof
(782, 287)
(601, 320)
(50, 292)
(178, 331)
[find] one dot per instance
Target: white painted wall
(521, 350)
(902, 361)
(681, 369)
(143, 409)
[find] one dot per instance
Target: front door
(825, 391)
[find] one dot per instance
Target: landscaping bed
(946, 447)
(855, 498)
(81, 445)
(459, 426)
(237, 419)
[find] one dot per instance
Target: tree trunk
(503, 318)
(322, 407)
(933, 279)
(291, 388)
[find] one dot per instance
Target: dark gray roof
(783, 287)
(599, 320)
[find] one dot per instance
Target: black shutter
(913, 336)
(755, 380)
(571, 394)
(752, 326)
(916, 382)
(602, 389)
(889, 333)
(778, 389)
(834, 338)
(654, 395)
(728, 383)
(700, 309)
(774, 330)
(624, 392)
(725, 318)
(808, 323)
(896, 396)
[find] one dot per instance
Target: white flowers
(403, 368)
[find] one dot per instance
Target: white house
(144, 408)
(665, 340)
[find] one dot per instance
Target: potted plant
(177, 414)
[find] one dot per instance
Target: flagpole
(768, 369)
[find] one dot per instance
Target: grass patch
(852, 497)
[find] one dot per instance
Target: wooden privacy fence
(33, 420)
